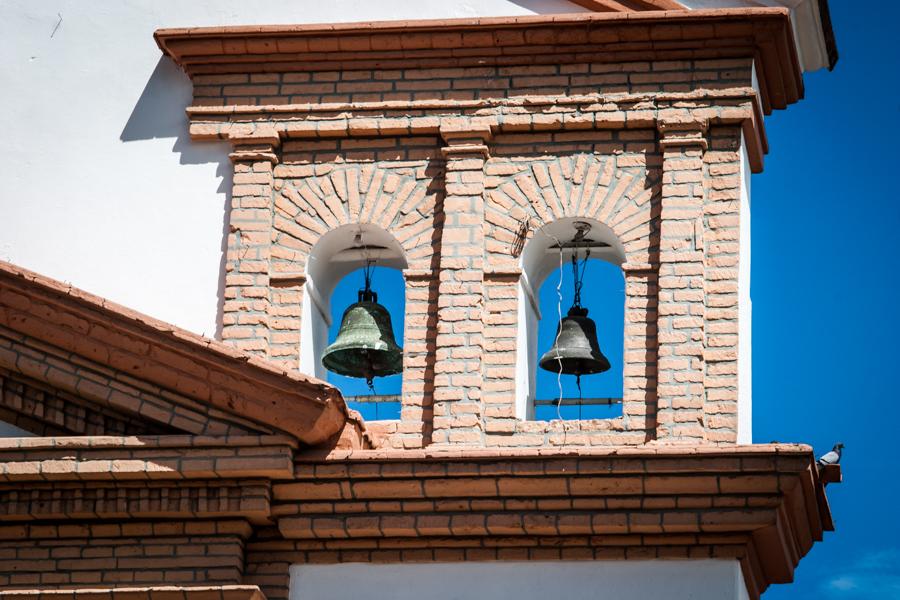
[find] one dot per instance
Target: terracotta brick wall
(461, 83)
(121, 554)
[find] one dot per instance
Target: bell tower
(477, 170)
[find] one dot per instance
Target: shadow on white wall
(160, 113)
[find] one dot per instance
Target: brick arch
(536, 192)
(526, 194)
(399, 200)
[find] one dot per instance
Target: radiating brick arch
(619, 195)
(528, 194)
(400, 200)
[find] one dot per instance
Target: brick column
(460, 340)
(245, 319)
(680, 324)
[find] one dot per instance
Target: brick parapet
(326, 182)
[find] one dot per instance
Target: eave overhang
(38, 310)
(764, 505)
(763, 34)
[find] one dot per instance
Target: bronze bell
(365, 345)
(576, 350)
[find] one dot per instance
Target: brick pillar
(245, 319)
(460, 340)
(680, 324)
(722, 211)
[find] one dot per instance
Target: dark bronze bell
(365, 345)
(575, 351)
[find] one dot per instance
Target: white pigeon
(831, 458)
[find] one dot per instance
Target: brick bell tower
(157, 464)
(461, 151)
(463, 165)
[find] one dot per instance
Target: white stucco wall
(745, 309)
(606, 580)
(101, 186)
(805, 20)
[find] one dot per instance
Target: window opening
(575, 379)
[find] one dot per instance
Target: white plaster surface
(745, 309)
(101, 186)
(601, 580)
(805, 20)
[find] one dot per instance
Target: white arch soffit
(540, 258)
(337, 254)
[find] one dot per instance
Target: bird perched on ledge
(830, 458)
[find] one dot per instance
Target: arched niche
(337, 254)
(539, 258)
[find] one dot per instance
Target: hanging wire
(578, 277)
(367, 295)
(579, 267)
(559, 300)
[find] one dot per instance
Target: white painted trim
(323, 307)
(529, 291)
(745, 309)
(806, 24)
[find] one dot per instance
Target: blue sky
(825, 231)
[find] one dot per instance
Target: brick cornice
(764, 505)
(141, 458)
(740, 106)
(254, 142)
(760, 33)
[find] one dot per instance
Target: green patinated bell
(365, 345)
(576, 350)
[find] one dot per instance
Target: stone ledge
(223, 592)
